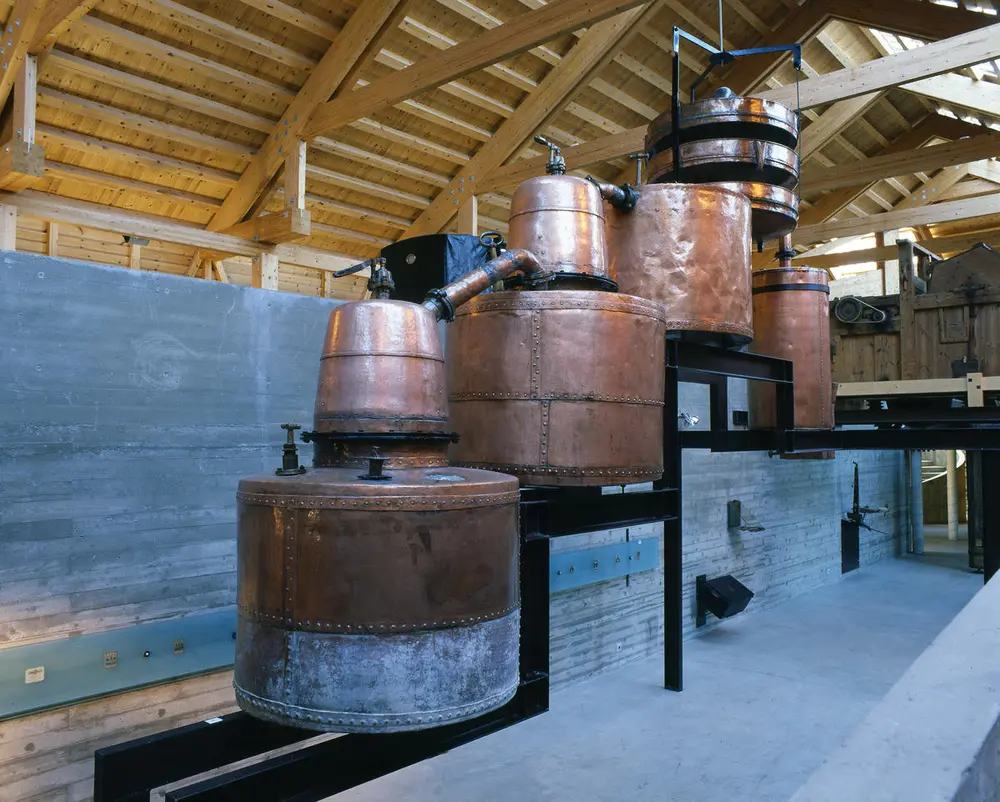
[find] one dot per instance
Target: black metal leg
(984, 508)
(673, 556)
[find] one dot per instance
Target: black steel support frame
(127, 772)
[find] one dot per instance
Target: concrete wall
(800, 504)
(131, 402)
(935, 737)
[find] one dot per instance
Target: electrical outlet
(36, 674)
(111, 659)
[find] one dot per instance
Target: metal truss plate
(44, 675)
(574, 569)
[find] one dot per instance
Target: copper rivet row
(360, 629)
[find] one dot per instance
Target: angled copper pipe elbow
(443, 302)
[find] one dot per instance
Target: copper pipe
(622, 198)
(443, 302)
(786, 252)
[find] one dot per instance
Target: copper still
(569, 381)
(774, 210)
(687, 247)
(560, 219)
(728, 160)
(378, 590)
(727, 116)
(792, 320)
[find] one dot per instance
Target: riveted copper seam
(556, 387)
(794, 324)
(687, 247)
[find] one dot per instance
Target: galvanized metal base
(377, 683)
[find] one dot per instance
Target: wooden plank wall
(50, 757)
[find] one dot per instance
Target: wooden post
(468, 217)
(325, 283)
(295, 176)
(8, 228)
(53, 246)
(265, 271)
(891, 270)
(134, 256)
(25, 92)
(220, 272)
(207, 269)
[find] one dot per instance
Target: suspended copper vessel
(792, 321)
(728, 160)
(687, 247)
(559, 387)
(774, 211)
(727, 117)
(560, 219)
(378, 591)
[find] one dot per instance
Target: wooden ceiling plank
(945, 212)
(129, 121)
(83, 175)
(115, 35)
(360, 35)
(212, 26)
(958, 90)
(828, 125)
(57, 16)
(167, 166)
(297, 17)
(907, 162)
(988, 170)
(932, 59)
(590, 55)
(146, 87)
(366, 187)
(921, 20)
(552, 20)
(375, 160)
(370, 126)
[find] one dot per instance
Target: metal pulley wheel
(851, 309)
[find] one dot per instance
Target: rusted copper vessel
(559, 387)
(728, 117)
(378, 591)
(774, 211)
(728, 160)
(687, 247)
(792, 321)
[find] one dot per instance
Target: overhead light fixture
(132, 239)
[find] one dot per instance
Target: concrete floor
(768, 696)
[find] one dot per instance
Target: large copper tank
(559, 387)
(560, 218)
(774, 210)
(378, 591)
(687, 247)
(792, 321)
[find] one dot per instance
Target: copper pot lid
(728, 160)
(774, 211)
(727, 118)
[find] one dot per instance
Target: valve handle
(556, 164)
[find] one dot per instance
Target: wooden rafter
(585, 59)
(516, 36)
(360, 36)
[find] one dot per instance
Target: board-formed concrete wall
(799, 504)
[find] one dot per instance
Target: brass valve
(556, 164)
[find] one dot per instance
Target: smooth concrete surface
(768, 697)
(935, 737)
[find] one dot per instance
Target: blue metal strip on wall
(574, 569)
(44, 675)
